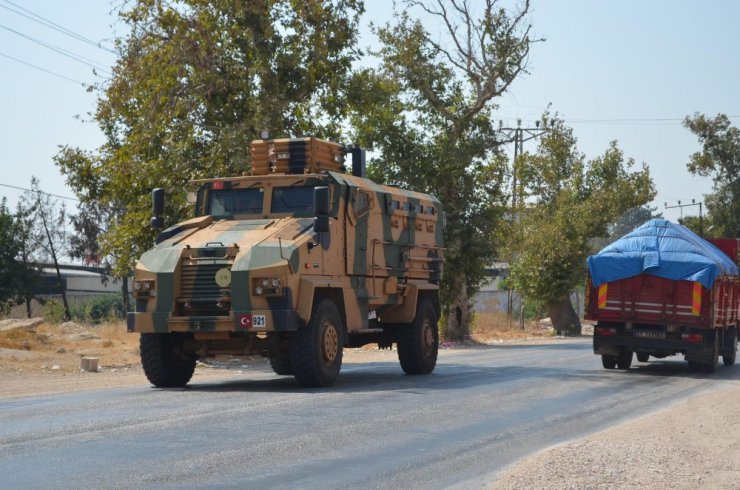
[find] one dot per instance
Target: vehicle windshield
(231, 202)
(297, 200)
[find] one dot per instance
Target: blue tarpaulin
(662, 249)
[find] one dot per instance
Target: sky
(623, 70)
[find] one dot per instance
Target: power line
(44, 69)
(53, 25)
(64, 52)
(42, 192)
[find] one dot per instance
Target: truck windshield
(230, 202)
(297, 200)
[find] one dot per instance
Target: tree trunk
(564, 318)
(458, 320)
(124, 296)
(28, 306)
(67, 314)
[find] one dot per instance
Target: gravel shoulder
(692, 444)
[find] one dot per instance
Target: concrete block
(89, 364)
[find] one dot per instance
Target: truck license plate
(649, 334)
(258, 321)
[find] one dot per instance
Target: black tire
(316, 350)
(280, 362)
(165, 363)
(695, 366)
(418, 342)
(730, 353)
(643, 357)
(624, 359)
(713, 364)
(609, 362)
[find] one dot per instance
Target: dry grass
(488, 326)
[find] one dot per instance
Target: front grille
(200, 295)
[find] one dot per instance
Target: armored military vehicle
(294, 261)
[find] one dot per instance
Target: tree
(428, 113)
(195, 81)
(17, 275)
(630, 220)
(27, 254)
(567, 202)
(719, 158)
(48, 231)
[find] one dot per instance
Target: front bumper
(237, 321)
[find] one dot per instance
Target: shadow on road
(481, 371)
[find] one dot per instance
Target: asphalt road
(482, 409)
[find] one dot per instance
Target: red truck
(673, 307)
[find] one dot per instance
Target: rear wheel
(164, 359)
(418, 343)
(609, 362)
(624, 359)
(730, 352)
(316, 350)
(713, 363)
(280, 363)
(643, 357)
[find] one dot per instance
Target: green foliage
(194, 83)
(569, 201)
(101, 308)
(719, 158)
(428, 114)
(53, 311)
(17, 275)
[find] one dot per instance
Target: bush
(101, 308)
(53, 310)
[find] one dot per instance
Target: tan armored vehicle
(295, 262)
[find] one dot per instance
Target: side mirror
(157, 208)
(321, 209)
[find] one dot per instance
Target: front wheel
(165, 361)
(418, 343)
(643, 357)
(316, 350)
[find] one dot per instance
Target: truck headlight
(144, 288)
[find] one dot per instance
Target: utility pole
(693, 203)
(519, 135)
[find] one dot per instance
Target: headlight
(144, 288)
(267, 286)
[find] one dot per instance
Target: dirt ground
(657, 451)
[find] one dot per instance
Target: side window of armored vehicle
(295, 200)
(227, 203)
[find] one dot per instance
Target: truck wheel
(609, 362)
(695, 366)
(165, 363)
(280, 363)
(643, 357)
(316, 350)
(713, 364)
(624, 359)
(418, 343)
(730, 353)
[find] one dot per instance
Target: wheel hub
(330, 344)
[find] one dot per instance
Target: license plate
(259, 321)
(648, 334)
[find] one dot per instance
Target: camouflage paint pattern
(383, 248)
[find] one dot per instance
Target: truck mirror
(321, 209)
(157, 208)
